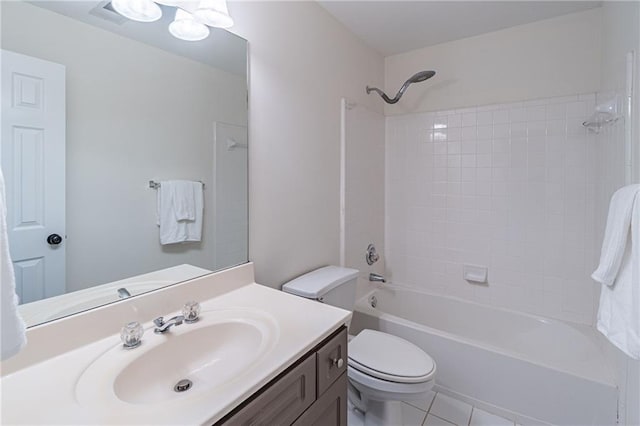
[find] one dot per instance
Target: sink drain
(183, 385)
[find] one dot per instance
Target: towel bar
(155, 185)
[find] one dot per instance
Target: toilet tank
(333, 285)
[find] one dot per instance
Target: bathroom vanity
(256, 355)
(312, 391)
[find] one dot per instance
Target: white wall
(302, 63)
(134, 113)
(363, 174)
(621, 33)
(553, 57)
(231, 204)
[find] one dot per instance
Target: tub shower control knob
(371, 256)
(338, 362)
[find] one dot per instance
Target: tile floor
(442, 410)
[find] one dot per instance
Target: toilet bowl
(382, 369)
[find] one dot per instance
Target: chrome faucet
(123, 293)
(162, 326)
(376, 278)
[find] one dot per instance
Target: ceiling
(393, 27)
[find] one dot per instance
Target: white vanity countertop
(65, 304)
(45, 392)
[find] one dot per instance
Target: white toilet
(383, 369)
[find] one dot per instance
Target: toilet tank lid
(315, 284)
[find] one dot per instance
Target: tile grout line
(433, 400)
(444, 420)
(471, 415)
(435, 395)
(424, 419)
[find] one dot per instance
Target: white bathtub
(528, 368)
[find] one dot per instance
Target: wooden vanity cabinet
(313, 391)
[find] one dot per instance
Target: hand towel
(13, 329)
(619, 272)
(175, 208)
(184, 200)
(194, 227)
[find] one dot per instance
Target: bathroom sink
(189, 359)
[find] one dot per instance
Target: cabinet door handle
(338, 362)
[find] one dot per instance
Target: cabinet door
(282, 402)
(330, 409)
(332, 361)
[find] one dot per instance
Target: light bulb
(172, 3)
(213, 13)
(185, 27)
(138, 10)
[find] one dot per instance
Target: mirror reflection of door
(32, 154)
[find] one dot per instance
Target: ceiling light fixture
(185, 27)
(191, 19)
(138, 10)
(213, 13)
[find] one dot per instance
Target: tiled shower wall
(510, 187)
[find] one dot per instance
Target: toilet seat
(384, 390)
(390, 358)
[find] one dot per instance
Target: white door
(32, 155)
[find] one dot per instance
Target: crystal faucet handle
(191, 311)
(131, 335)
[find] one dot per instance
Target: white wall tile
(469, 119)
(500, 116)
(512, 187)
(484, 118)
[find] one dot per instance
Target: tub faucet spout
(376, 278)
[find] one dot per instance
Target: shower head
(421, 76)
(416, 78)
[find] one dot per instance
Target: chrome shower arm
(384, 95)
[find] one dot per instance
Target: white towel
(180, 211)
(13, 329)
(619, 272)
(184, 198)
(616, 234)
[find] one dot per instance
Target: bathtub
(530, 369)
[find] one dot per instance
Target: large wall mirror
(97, 112)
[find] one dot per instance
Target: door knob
(54, 239)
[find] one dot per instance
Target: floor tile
(482, 418)
(436, 421)
(452, 410)
(425, 403)
(411, 416)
